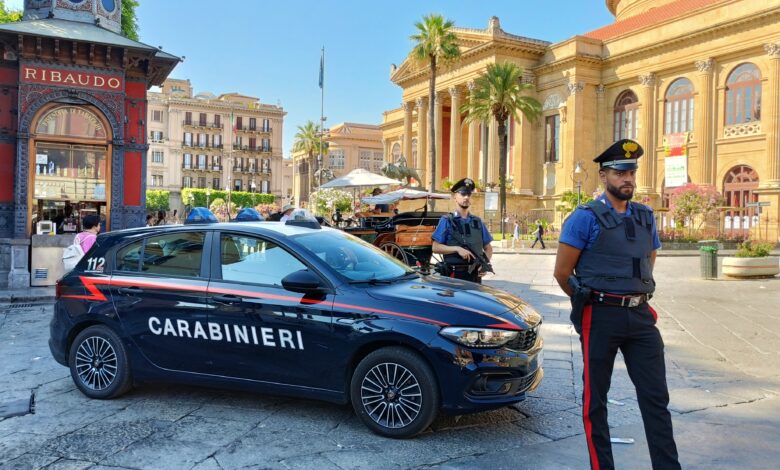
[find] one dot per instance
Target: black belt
(622, 300)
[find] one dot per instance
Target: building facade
(192, 143)
(695, 82)
(72, 130)
(350, 146)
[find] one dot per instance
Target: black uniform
(613, 281)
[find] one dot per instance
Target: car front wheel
(394, 392)
(98, 363)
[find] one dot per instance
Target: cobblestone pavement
(722, 344)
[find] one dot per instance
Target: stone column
(770, 115)
(454, 134)
(602, 129)
(646, 135)
(492, 156)
(437, 116)
(472, 170)
(704, 120)
(422, 141)
(407, 152)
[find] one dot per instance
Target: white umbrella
(359, 178)
(402, 194)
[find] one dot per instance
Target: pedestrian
(605, 264)
(286, 212)
(160, 218)
(463, 239)
(90, 225)
(516, 233)
(149, 218)
(539, 234)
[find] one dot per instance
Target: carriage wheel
(395, 251)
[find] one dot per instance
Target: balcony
(202, 124)
(196, 145)
(248, 149)
(253, 130)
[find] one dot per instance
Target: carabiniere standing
(605, 264)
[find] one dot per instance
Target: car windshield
(352, 257)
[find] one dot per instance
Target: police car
(295, 309)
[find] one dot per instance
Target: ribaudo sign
(71, 78)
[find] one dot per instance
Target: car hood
(457, 302)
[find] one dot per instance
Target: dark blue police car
(291, 309)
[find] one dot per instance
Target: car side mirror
(303, 281)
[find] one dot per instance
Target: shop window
(552, 138)
(678, 107)
(625, 116)
(743, 95)
(71, 121)
(70, 172)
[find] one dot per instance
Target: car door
(159, 290)
(268, 333)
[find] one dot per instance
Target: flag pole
(322, 115)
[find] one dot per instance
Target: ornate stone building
(193, 144)
(696, 82)
(350, 146)
(72, 130)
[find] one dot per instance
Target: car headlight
(478, 337)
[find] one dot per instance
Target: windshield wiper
(372, 281)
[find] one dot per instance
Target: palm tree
(435, 43)
(498, 93)
(307, 140)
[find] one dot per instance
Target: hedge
(239, 198)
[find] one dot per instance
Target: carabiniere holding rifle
(463, 239)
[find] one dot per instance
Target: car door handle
(228, 299)
(131, 290)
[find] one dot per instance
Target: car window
(250, 259)
(352, 257)
(173, 254)
(129, 257)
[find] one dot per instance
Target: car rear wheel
(98, 363)
(394, 392)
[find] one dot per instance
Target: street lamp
(579, 176)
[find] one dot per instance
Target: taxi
(294, 309)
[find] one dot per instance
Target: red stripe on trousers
(586, 318)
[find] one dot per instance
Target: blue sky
(271, 49)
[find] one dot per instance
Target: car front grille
(525, 340)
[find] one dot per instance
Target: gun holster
(579, 299)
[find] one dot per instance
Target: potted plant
(752, 260)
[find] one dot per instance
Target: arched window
(396, 152)
(625, 115)
(738, 186)
(678, 107)
(743, 95)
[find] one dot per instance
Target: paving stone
(502, 415)
(28, 461)
(213, 431)
(208, 464)
(153, 454)
(18, 443)
(99, 440)
(68, 464)
(555, 425)
(537, 406)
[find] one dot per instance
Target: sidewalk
(32, 294)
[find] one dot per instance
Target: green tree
(9, 16)
(569, 200)
(435, 43)
(499, 93)
(129, 19)
(307, 140)
(157, 200)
